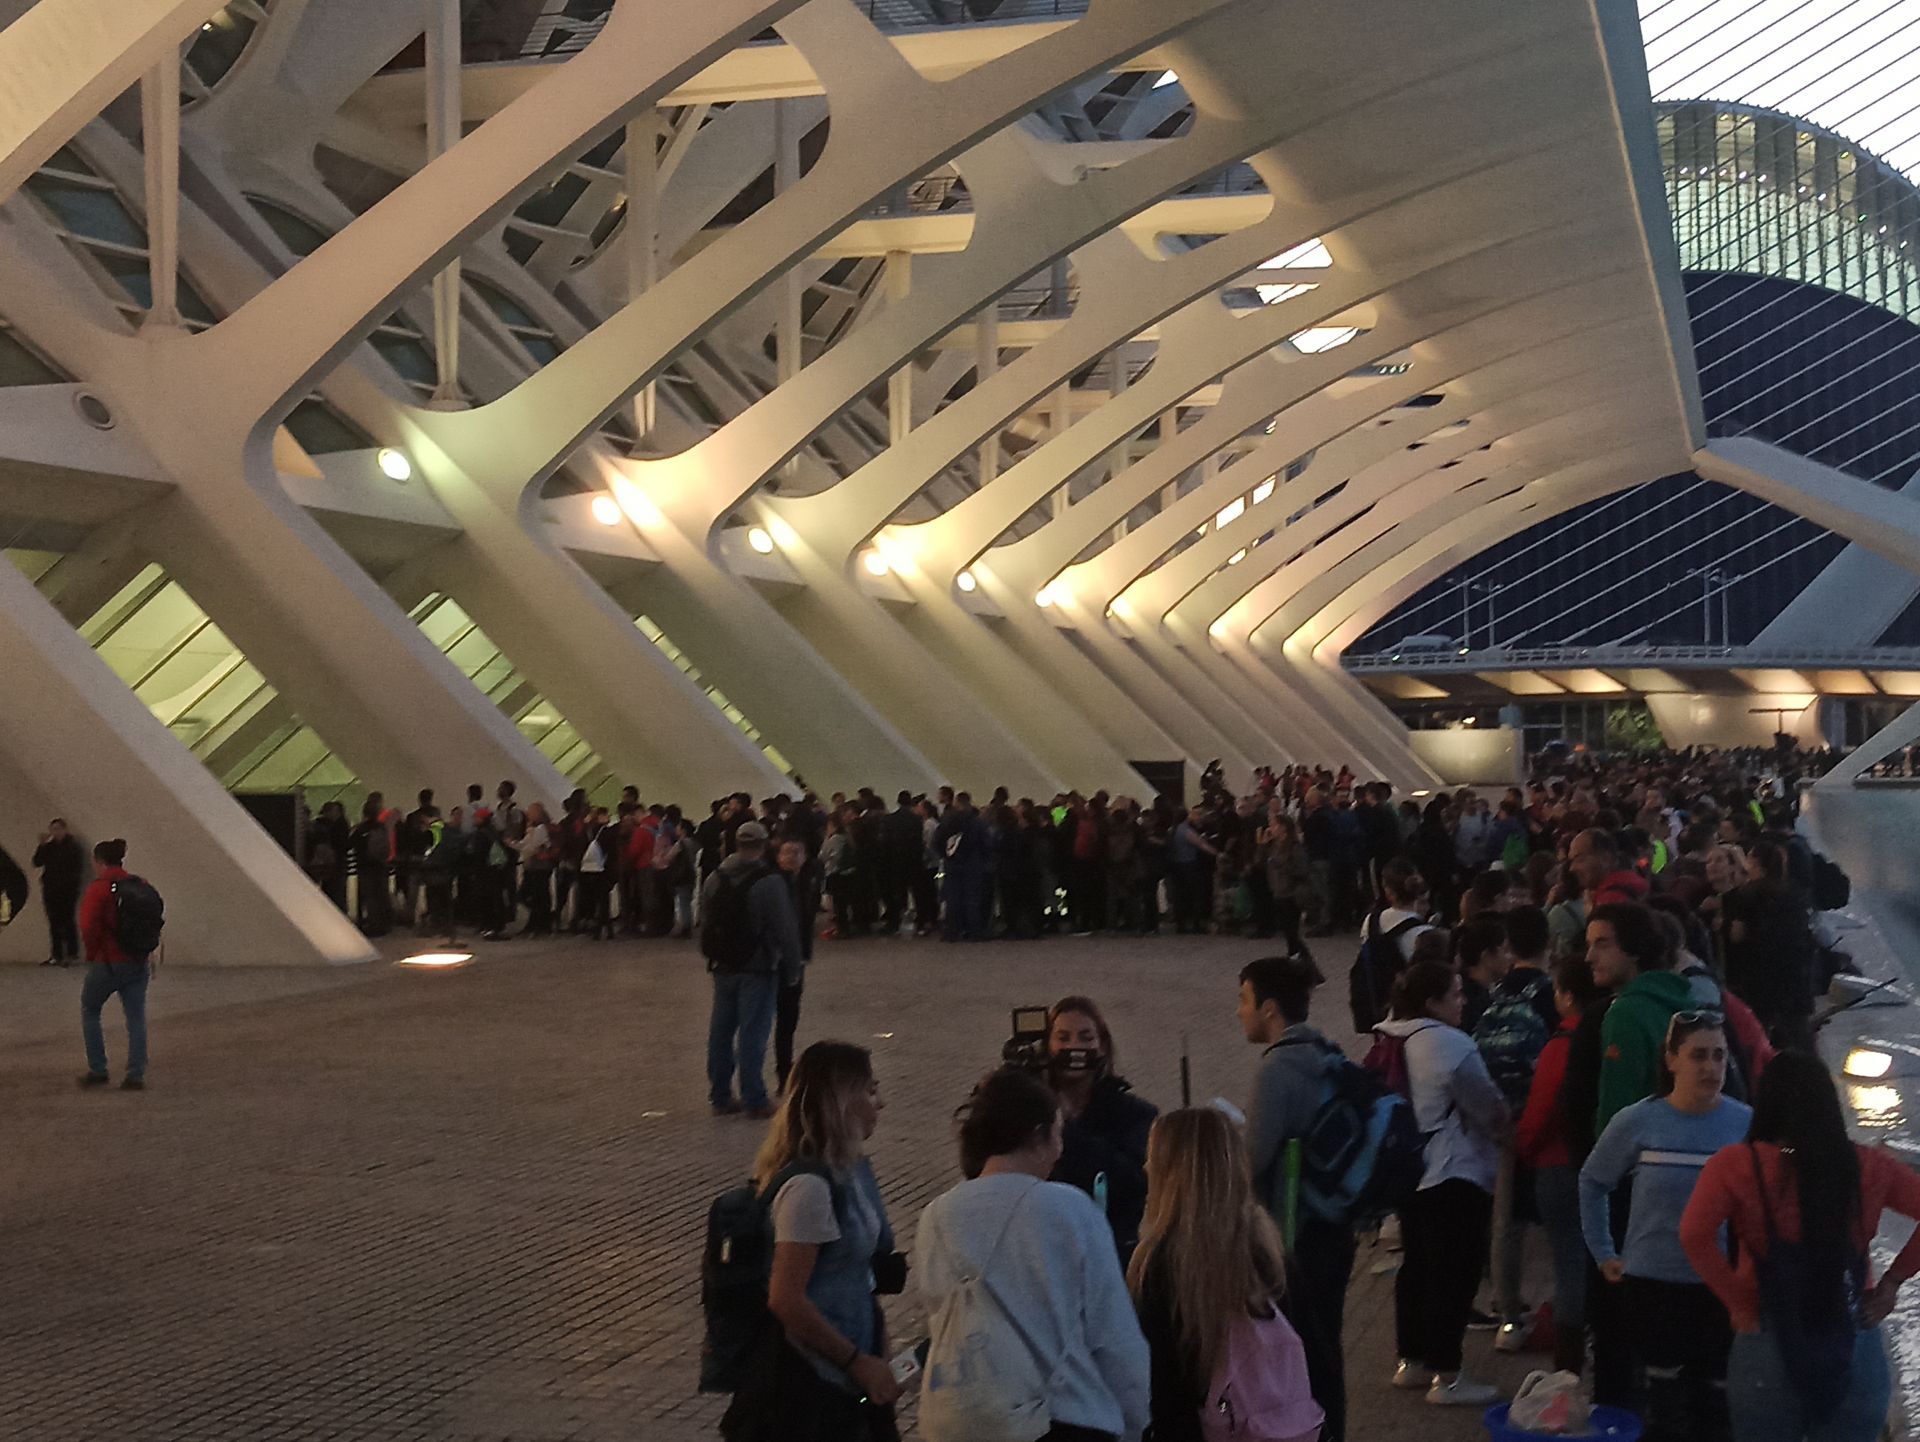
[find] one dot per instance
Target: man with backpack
(120, 920)
(751, 940)
(1386, 942)
(1296, 1086)
(1511, 1031)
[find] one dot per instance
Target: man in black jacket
(63, 868)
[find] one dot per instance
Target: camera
(1027, 1047)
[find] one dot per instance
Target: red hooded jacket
(99, 916)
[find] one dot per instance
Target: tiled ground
(468, 1206)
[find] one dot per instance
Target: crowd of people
(1593, 997)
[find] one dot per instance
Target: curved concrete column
(66, 59)
(76, 743)
(1887, 523)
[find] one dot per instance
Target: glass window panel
(542, 348)
(219, 44)
(550, 205)
(300, 236)
(21, 366)
(520, 245)
(67, 158)
(407, 356)
(503, 305)
(472, 651)
(192, 307)
(87, 210)
(131, 272)
(321, 430)
(283, 767)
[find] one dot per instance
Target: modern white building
(742, 395)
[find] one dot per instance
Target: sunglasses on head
(1705, 1019)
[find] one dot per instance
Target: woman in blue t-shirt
(1679, 1328)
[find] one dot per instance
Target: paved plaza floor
(373, 1203)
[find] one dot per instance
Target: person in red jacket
(110, 969)
(1540, 1143)
(1800, 1180)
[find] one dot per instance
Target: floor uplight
(875, 563)
(758, 538)
(1867, 1064)
(437, 960)
(393, 464)
(606, 510)
(965, 581)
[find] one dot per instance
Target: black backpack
(1831, 888)
(138, 915)
(1374, 969)
(734, 1272)
(726, 931)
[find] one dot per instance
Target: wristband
(853, 1355)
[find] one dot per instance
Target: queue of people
(1600, 1035)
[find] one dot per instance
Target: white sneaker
(1514, 1336)
(1461, 1391)
(1411, 1376)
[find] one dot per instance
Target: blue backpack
(1362, 1156)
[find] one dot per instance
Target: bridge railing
(1517, 658)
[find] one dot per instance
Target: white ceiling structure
(755, 394)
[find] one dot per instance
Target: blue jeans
(129, 978)
(1556, 1192)
(743, 1003)
(1767, 1409)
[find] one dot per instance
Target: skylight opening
(1307, 253)
(1316, 339)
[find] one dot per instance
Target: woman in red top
(1540, 1144)
(1800, 1179)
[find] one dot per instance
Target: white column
(786, 175)
(76, 743)
(643, 235)
(443, 133)
(160, 144)
(985, 366)
(1060, 421)
(900, 383)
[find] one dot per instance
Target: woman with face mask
(1104, 1139)
(1660, 1144)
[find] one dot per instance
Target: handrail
(1510, 658)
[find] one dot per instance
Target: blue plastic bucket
(1607, 1424)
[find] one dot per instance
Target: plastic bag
(1549, 1403)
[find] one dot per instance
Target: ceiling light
(875, 563)
(393, 464)
(606, 510)
(1867, 1064)
(1264, 489)
(1167, 77)
(1230, 512)
(437, 960)
(1237, 557)
(965, 581)
(758, 538)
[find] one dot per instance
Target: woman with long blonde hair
(825, 1378)
(1207, 1279)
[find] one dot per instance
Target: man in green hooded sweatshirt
(1628, 952)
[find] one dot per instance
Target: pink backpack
(1259, 1391)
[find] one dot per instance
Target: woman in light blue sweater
(1680, 1330)
(1033, 1333)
